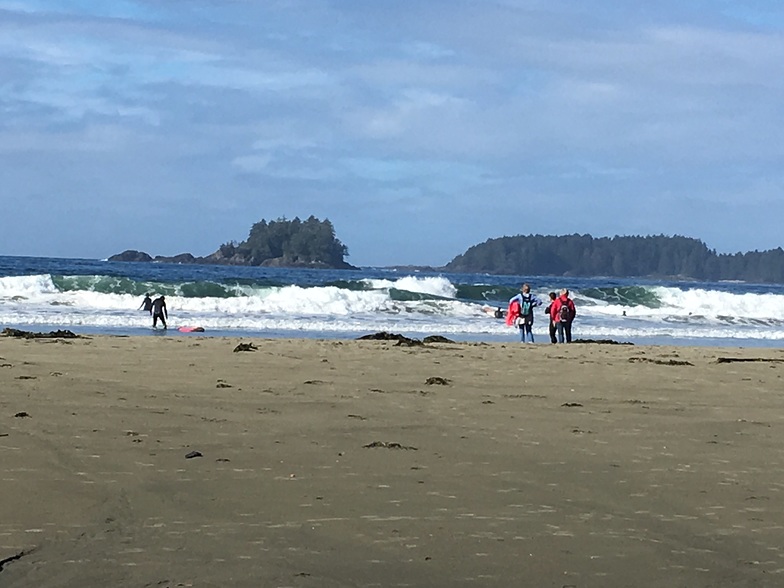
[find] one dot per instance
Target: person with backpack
(525, 319)
(562, 313)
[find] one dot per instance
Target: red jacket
(555, 308)
(512, 313)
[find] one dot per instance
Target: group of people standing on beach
(560, 314)
(157, 308)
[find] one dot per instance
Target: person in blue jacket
(525, 321)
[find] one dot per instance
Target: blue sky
(418, 128)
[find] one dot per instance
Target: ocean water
(99, 297)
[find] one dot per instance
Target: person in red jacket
(562, 313)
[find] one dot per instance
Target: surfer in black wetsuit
(146, 304)
(159, 312)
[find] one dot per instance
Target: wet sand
(362, 463)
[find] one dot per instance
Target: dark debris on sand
(245, 347)
(402, 340)
(437, 381)
(15, 557)
(659, 361)
(388, 445)
(437, 339)
(60, 334)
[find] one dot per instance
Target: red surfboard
(190, 329)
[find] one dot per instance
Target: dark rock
(402, 340)
(295, 262)
(181, 258)
(381, 336)
(60, 334)
(192, 454)
(218, 258)
(436, 339)
(131, 255)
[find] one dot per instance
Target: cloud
(388, 114)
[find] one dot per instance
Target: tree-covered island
(656, 256)
(280, 243)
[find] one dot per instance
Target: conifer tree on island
(280, 243)
(656, 256)
(285, 243)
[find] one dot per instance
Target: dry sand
(362, 463)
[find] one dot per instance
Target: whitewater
(100, 297)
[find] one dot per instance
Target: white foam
(684, 313)
(433, 285)
(26, 286)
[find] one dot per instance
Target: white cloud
(441, 105)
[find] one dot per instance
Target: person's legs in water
(522, 332)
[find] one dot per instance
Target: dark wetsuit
(552, 327)
(146, 304)
(159, 312)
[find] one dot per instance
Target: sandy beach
(178, 461)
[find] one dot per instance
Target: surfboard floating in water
(190, 329)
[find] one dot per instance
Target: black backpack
(564, 314)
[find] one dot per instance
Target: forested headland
(286, 243)
(631, 256)
(279, 243)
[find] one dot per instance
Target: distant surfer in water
(159, 312)
(494, 312)
(146, 304)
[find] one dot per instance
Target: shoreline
(328, 462)
(512, 337)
